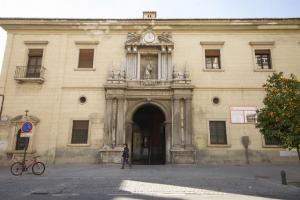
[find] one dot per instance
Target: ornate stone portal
(149, 79)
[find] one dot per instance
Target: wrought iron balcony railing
(30, 74)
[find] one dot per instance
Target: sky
(134, 9)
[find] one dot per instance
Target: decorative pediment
(148, 38)
(24, 118)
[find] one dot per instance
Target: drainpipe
(2, 95)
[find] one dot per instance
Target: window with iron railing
(33, 71)
(34, 64)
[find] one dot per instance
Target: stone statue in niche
(149, 66)
(148, 71)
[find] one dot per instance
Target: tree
(280, 118)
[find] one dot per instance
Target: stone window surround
(15, 125)
(207, 45)
(228, 145)
(35, 45)
(263, 45)
(31, 144)
(86, 45)
(88, 144)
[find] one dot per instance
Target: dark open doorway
(148, 137)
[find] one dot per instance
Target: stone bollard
(245, 140)
(283, 177)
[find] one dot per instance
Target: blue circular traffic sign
(27, 127)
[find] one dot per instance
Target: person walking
(125, 156)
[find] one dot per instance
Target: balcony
(30, 74)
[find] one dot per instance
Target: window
(80, 132)
(263, 59)
(21, 142)
(217, 131)
(272, 141)
(212, 59)
(34, 63)
(86, 58)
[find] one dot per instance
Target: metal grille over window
(212, 59)
(217, 132)
(86, 58)
(271, 141)
(263, 59)
(34, 63)
(80, 132)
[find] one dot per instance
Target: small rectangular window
(86, 58)
(80, 132)
(217, 132)
(212, 59)
(263, 59)
(34, 64)
(272, 141)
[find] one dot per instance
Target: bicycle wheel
(16, 168)
(38, 168)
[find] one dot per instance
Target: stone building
(174, 90)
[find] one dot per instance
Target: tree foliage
(280, 118)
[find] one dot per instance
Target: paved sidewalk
(152, 182)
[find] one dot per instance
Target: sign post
(26, 129)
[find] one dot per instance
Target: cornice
(263, 43)
(37, 42)
(212, 43)
(157, 24)
(86, 42)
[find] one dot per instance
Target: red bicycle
(37, 167)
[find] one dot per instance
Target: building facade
(174, 90)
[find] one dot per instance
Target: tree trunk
(298, 151)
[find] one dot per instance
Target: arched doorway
(148, 136)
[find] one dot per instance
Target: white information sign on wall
(242, 115)
(287, 153)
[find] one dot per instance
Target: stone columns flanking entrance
(176, 142)
(174, 100)
(168, 132)
(188, 123)
(114, 127)
(120, 136)
(182, 150)
(107, 138)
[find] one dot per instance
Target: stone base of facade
(9, 157)
(221, 156)
(183, 156)
(110, 155)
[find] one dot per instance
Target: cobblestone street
(152, 182)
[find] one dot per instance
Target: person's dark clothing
(125, 152)
(125, 156)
